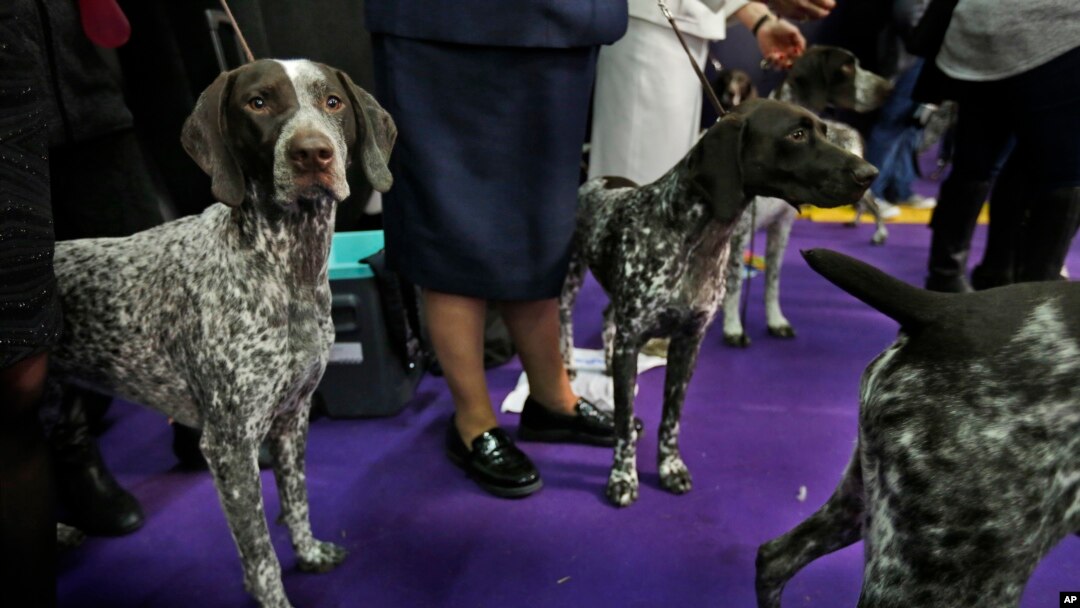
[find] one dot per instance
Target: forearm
(751, 13)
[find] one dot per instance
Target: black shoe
(591, 425)
(494, 463)
(91, 497)
(93, 500)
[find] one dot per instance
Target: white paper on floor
(591, 382)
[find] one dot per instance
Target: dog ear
(714, 167)
(376, 132)
(205, 139)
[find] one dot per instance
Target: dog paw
(675, 477)
(737, 340)
(782, 331)
(321, 557)
(622, 494)
(879, 238)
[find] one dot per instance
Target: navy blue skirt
(486, 164)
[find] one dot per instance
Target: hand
(803, 9)
(780, 42)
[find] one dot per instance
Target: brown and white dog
(222, 320)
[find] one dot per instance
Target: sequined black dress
(30, 318)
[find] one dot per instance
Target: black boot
(953, 224)
(1052, 223)
(88, 493)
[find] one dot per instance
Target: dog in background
(222, 320)
(822, 77)
(967, 467)
(659, 252)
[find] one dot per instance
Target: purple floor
(758, 424)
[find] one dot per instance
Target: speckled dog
(824, 76)
(222, 320)
(659, 252)
(967, 468)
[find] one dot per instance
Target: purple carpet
(758, 424)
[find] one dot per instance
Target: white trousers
(647, 104)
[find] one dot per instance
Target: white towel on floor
(591, 381)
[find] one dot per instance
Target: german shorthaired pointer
(222, 320)
(822, 77)
(659, 252)
(967, 467)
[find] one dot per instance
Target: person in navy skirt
(491, 99)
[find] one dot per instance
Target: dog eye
(798, 135)
(333, 102)
(257, 103)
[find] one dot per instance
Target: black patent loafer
(495, 463)
(589, 424)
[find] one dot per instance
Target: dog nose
(864, 174)
(311, 152)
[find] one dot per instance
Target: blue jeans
(894, 140)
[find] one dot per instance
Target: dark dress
(30, 320)
(491, 102)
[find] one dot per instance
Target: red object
(104, 23)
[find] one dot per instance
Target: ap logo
(1070, 598)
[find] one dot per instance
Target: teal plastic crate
(365, 377)
(348, 248)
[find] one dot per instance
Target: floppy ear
(205, 138)
(809, 81)
(714, 168)
(376, 132)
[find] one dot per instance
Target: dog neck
(296, 240)
(680, 203)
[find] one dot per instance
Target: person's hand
(780, 42)
(802, 9)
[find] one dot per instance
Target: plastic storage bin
(364, 376)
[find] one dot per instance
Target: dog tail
(909, 306)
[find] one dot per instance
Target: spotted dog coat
(658, 251)
(222, 320)
(824, 76)
(967, 468)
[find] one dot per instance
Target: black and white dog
(659, 252)
(822, 77)
(222, 320)
(967, 467)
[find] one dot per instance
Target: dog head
(829, 76)
(285, 131)
(733, 87)
(772, 148)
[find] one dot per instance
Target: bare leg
(456, 327)
(534, 327)
(27, 528)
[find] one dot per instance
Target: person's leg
(534, 327)
(27, 526)
(456, 328)
(982, 144)
(1008, 207)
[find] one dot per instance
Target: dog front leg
(622, 487)
(734, 333)
(837, 524)
(575, 276)
(682, 358)
(234, 464)
(288, 443)
(778, 234)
